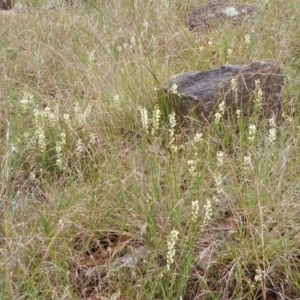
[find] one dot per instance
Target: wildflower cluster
(258, 96)
(60, 144)
(218, 182)
(172, 125)
(81, 117)
(174, 89)
(247, 39)
(252, 132)
(171, 241)
(220, 113)
(197, 138)
(192, 167)
(192, 163)
(144, 118)
(233, 85)
(217, 175)
(208, 212)
(55, 134)
(68, 121)
(131, 45)
(272, 131)
(79, 148)
(135, 43)
(220, 158)
(154, 122)
(259, 275)
(247, 163)
(26, 102)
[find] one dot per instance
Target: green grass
(117, 191)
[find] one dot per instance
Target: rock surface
(19, 8)
(9, 7)
(214, 12)
(198, 94)
(5, 4)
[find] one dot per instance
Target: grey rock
(6, 4)
(199, 93)
(216, 12)
(130, 259)
(7, 7)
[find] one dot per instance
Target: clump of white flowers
(26, 101)
(233, 85)
(218, 182)
(229, 53)
(68, 121)
(247, 163)
(81, 117)
(59, 147)
(79, 148)
(247, 39)
(252, 132)
(272, 131)
(208, 212)
(198, 137)
(195, 143)
(259, 275)
(220, 112)
(155, 121)
(258, 95)
(220, 158)
(195, 211)
(144, 118)
(171, 241)
(172, 125)
(174, 89)
(54, 134)
(192, 167)
(217, 174)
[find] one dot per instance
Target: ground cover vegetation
(104, 195)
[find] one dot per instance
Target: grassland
(104, 195)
